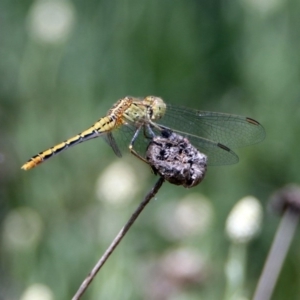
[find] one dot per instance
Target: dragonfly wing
(217, 153)
(112, 142)
(120, 138)
(230, 130)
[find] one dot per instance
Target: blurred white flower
(23, 228)
(194, 214)
(244, 220)
(184, 265)
(264, 6)
(37, 292)
(191, 215)
(168, 276)
(51, 21)
(119, 183)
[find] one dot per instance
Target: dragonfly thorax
(156, 107)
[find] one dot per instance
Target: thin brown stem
(117, 240)
(277, 254)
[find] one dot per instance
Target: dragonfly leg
(132, 151)
(148, 132)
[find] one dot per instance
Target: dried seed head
(287, 197)
(176, 160)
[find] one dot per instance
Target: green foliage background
(240, 57)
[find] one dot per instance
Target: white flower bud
(244, 220)
(37, 292)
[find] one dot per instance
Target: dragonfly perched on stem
(212, 133)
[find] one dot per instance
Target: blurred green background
(62, 65)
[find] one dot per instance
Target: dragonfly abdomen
(102, 126)
(106, 124)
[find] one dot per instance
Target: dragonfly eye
(158, 108)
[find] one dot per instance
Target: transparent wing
(212, 133)
(217, 154)
(112, 142)
(230, 130)
(122, 138)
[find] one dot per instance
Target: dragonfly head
(157, 107)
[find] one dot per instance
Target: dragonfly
(212, 133)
